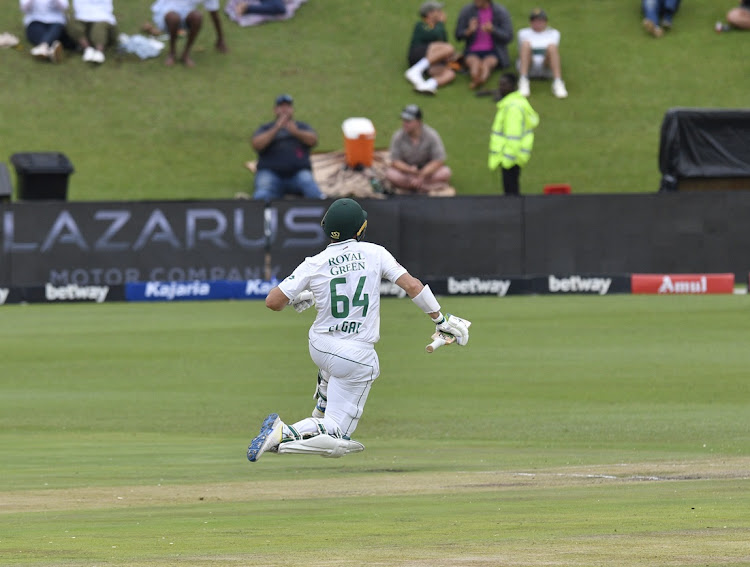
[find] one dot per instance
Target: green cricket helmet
(344, 219)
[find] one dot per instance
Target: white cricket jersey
(184, 6)
(94, 11)
(345, 280)
(539, 41)
(47, 11)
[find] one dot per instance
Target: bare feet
(187, 61)
(169, 61)
(240, 9)
(150, 29)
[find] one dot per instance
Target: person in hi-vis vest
(512, 136)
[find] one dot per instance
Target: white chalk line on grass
(595, 476)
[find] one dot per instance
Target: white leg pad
(323, 445)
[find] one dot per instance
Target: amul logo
(689, 286)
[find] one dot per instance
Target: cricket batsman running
(343, 283)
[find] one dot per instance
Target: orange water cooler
(359, 141)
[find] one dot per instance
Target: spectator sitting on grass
(93, 27)
(737, 18)
(417, 157)
(487, 29)
(172, 16)
(45, 26)
(539, 55)
(658, 15)
(264, 7)
(283, 148)
(429, 50)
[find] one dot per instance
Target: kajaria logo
(477, 286)
(4, 291)
(690, 286)
(259, 287)
(172, 290)
(74, 292)
(578, 284)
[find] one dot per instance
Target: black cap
(538, 14)
(411, 112)
(284, 99)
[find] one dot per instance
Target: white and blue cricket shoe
(268, 439)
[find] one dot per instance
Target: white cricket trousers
(351, 367)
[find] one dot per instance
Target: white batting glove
(454, 326)
(303, 301)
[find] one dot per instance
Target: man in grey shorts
(417, 156)
(172, 16)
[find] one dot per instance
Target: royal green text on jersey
(343, 263)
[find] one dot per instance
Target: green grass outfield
(137, 130)
(574, 431)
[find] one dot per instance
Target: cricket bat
(440, 338)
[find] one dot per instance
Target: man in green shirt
(429, 50)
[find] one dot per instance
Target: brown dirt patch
(373, 483)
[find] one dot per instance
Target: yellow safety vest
(512, 135)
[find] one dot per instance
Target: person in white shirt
(343, 283)
(539, 55)
(45, 21)
(93, 27)
(172, 16)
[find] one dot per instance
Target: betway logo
(4, 291)
(259, 287)
(478, 286)
(695, 286)
(390, 289)
(577, 284)
(172, 290)
(75, 292)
